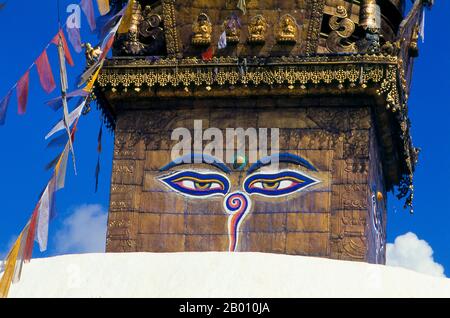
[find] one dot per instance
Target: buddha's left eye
(197, 184)
(278, 184)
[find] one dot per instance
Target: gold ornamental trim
(354, 70)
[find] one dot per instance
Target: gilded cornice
(333, 71)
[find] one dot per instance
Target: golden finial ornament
(370, 15)
(413, 45)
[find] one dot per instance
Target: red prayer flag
(31, 235)
(99, 139)
(55, 41)
(88, 9)
(208, 54)
(97, 173)
(107, 47)
(4, 107)
(45, 73)
(74, 130)
(22, 93)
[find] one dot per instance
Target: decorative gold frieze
(221, 71)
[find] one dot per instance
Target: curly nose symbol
(237, 205)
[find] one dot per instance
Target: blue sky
(26, 29)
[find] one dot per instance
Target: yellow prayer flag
(103, 6)
(61, 168)
(10, 265)
(126, 19)
(90, 84)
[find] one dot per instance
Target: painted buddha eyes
(198, 184)
(277, 184)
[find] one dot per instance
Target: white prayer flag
(222, 41)
(242, 6)
(44, 216)
(74, 115)
(61, 168)
(422, 27)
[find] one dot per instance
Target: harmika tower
(332, 75)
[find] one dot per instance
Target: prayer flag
(55, 41)
(88, 9)
(4, 107)
(87, 75)
(74, 115)
(90, 84)
(99, 139)
(105, 23)
(242, 6)
(109, 40)
(20, 255)
(61, 168)
(208, 54)
(422, 26)
(52, 163)
(64, 86)
(58, 141)
(99, 150)
(22, 93)
(234, 18)
(107, 47)
(93, 71)
(127, 17)
(56, 103)
(74, 38)
(222, 41)
(45, 73)
(103, 6)
(45, 211)
(31, 235)
(10, 265)
(97, 173)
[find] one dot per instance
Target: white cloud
(9, 245)
(84, 231)
(410, 252)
